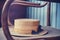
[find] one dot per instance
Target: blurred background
(1, 5)
(15, 12)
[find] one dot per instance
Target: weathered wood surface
(53, 34)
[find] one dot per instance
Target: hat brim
(39, 34)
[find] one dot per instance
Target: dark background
(2, 3)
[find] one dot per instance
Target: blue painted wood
(38, 13)
(58, 16)
(41, 14)
(53, 14)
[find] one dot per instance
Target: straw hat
(27, 27)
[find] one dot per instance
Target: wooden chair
(5, 19)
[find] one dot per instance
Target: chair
(5, 19)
